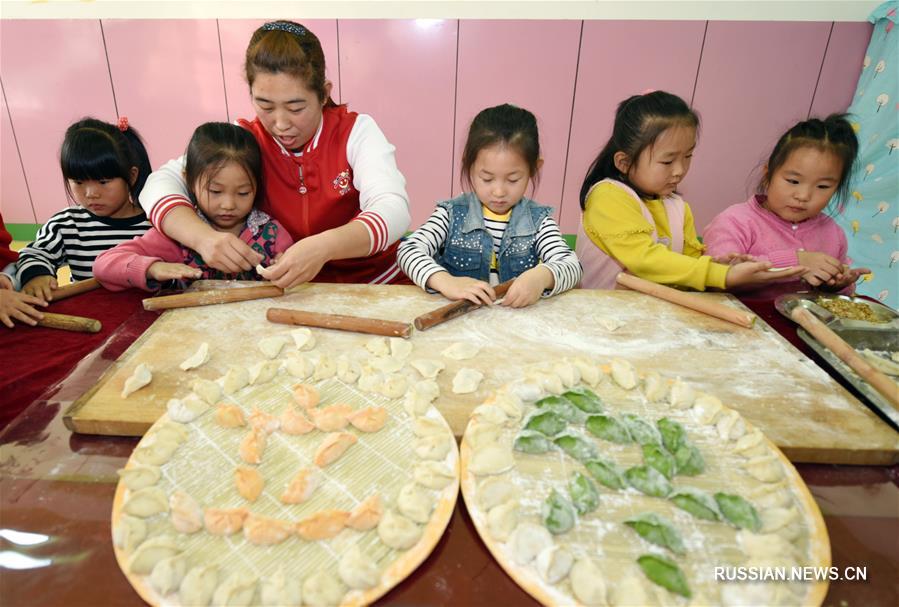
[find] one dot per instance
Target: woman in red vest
(329, 175)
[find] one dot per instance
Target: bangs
(90, 156)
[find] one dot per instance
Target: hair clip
(123, 123)
(648, 91)
(284, 26)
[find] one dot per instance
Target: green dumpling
(558, 513)
(605, 472)
(642, 431)
(738, 511)
(699, 504)
(584, 399)
(531, 441)
(560, 406)
(576, 446)
(648, 480)
(673, 434)
(547, 423)
(584, 494)
(656, 456)
(665, 573)
(608, 428)
(653, 528)
(689, 460)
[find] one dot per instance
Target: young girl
(784, 223)
(493, 233)
(633, 219)
(223, 167)
(104, 167)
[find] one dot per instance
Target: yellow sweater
(613, 221)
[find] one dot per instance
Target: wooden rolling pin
(212, 297)
(833, 342)
(339, 322)
(687, 300)
(75, 288)
(455, 309)
(65, 322)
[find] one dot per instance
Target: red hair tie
(648, 91)
(123, 123)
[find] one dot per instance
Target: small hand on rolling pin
(162, 271)
(528, 287)
(18, 306)
(452, 287)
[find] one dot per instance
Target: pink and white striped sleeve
(164, 191)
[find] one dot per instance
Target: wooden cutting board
(795, 403)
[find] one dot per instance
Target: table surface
(56, 494)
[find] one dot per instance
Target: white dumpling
(370, 381)
(198, 358)
(509, 403)
(155, 450)
(730, 425)
(491, 459)
(414, 504)
(198, 585)
(322, 589)
(358, 570)
(608, 323)
(271, 346)
(502, 520)
(325, 368)
(426, 426)
(526, 389)
(129, 532)
(187, 409)
(394, 385)
(433, 475)
(138, 476)
(187, 516)
(630, 591)
(416, 404)
(590, 373)
(461, 350)
(527, 541)
(587, 582)
(623, 374)
(775, 519)
(348, 370)
(167, 574)
(235, 379)
(655, 388)
(490, 414)
(281, 590)
(554, 563)
(236, 591)
(146, 502)
(303, 338)
(396, 531)
(140, 377)
(682, 394)
(208, 390)
(706, 408)
(547, 382)
(751, 445)
(433, 446)
(429, 368)
(171, 431)
(763, 544)
(772, 495)
(426, 388)
(467, 380)
(400, 348)
(378, 346)
(300, 366)
(385, 364)
(567, 372)
(766, 468)
(480, 434)
(263, 371)
(494, 491)
(145, 556)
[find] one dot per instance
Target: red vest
(329, 201)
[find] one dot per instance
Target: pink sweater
(750, 228)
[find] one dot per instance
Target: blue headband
(284, 26)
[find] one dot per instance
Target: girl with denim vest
(634, 221)
(493, 233)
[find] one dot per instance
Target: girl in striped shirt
(493, 233)
(104, 167)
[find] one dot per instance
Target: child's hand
(528, 287)
(5, 282)
(822, 268)
(162, 271)
(461, 287)
(733, 258)
(40, 287)
(225, 251)
(19, 306)
(846, 277)
(752, 273)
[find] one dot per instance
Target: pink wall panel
(537, 75)
(15, 203)
(409, 94)
(755, 80)
(842, 67)
(167, 76)
(235, 36)
(611, 69)
(54, 73)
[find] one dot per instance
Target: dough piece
(263, 371)
(260, 269)
(491, 459)
(527, 541)
(730, 425)
(414, 504)
(772, 495)
(145, 556)
(370, 419)
(775, 519)
(394, 385)
(220, 521)
(481, 434)
(303, 338)
(623, 374)
(426, 388)
(187, 409)
(886, 366)
(331, 418)
(249, 483)
(461, 351)
(236, 591)
(168, 573)
(508, 402)
(764, 544)
(171, 431)
(526, 390)
(333, 447)
(348, 370)
(396, 531)
(547, 382)
(630, 591)
(433, 475)
(207, 389)
(489, 414)
(198, 585)
(655, 388)
(129, 532)
(271, 346)
(433, 446)
(138, 476)
(385, 364)
(305, 396)
(466, 381)
(766, 468)
(608, 323)
(682, 394)
(587, 582)
(494, 491)
(429, 368)
(706, 408)
(146, 502)
(554, 563)
(367, 514)
(325, 368)
(567, 372)
(261, 420)
(301, 486)
(198, 358)
(370, 381)
(321, 589)
(140, 377)
(252, 446)
(235, 379)
(426, 426)
(293, 422)
(358, 570)
(378, 346)
(400, 348)
(420, 396)
(590, 373)
(187, 517)
(751, 445)
(264, 531)
(281, 590)
(502, 520)
(322, 525)
(300, 366)
(229, 416)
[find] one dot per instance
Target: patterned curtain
(871, 216)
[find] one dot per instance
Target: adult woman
(329, 175)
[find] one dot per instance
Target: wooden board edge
(861, 457)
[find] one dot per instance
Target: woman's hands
(298, 264)
(162, 271)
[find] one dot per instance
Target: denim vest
(468, 247)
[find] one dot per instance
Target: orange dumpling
(264, 531)
(301, 487)
(322, 525)
(294, 422)
(331, 418)
(249, 483)
(224, 522)
(229, 416)
(370, 419)
(334, 445)
(252, 446)
(306, 396)
(367, 514)
(263, 421)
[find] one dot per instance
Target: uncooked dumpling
(590, 373)
(609, 323)
(766, 468)
(480, 434)
(682, 395)
(378, 346)
(187, 409)
(358, 570)
(461, 350)
(554, 563)
(655, 388)
(433, 446)
(490, 414)
(623, 374)
(433, 475)
(348, 370)
(129, 532)
(730, 425)
(325, 367)
(235, 591)
(502, 520)
(271, 346)
(507, 401)
(527, 541)
(322, 589)
(706, 408)
(235, 379)
(751, 445)
(394, 385)
(198, 585)
(168, 573)
(187, 517)
(200, 357)
(264, 531)
(138, 476)
(155, 450)
(263, 371)
(567, 372)
(396, 531)
(587, 582)
(145, 556)
(141, 376)
(400, 348)
(303, 338)
(385, 364)
(208, 390)
(300, 366)
(494, 491)
(467, 381)
(414, 504)
(281, 590)
(491, 459)
(146, 502)
(428, 367)
(426, 426)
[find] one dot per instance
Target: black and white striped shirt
(75, 237)
(416, 253)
